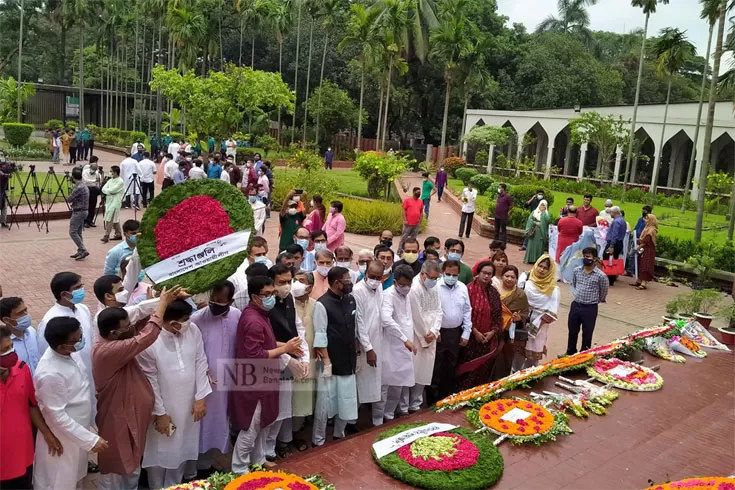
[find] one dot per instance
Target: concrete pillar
(582, 158)
(549, 160)
(539, 152)
(633, 170)
(658, 152)
(430, 153)
(618, 158)
(490, 159)
(464, 149)
(509, 153)
(673, 163)
(568, 155)
(697, 168)
(519, 152)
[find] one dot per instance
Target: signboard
(72, 106)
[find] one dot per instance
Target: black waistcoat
(340, 332)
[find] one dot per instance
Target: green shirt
(289, 224)
(426, 189)
(465, 273)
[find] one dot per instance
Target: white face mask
(292, 211)
(323, 270)
(362, 268)
(346, 265)
(184, 326)
(283, 291)
(297, 198)
(298, 289)
(372, 283)
(387, 271)
(122, 296)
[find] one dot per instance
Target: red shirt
(16, 434)
(414, 208)
(587, 216)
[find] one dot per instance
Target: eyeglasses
(267, 295)
(488, 274)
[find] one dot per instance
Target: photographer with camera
(6, 168)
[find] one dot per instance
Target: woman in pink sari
(315, 220)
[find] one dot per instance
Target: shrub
(176, 135)
(481, 157)
(465, 174)
(267, 142)
(17, 134)
(380, 169)
(71, 125)
(452, 164)
(682, 250)
(52, 124)
(243, 155)
(365, 217)
(517, 216)
(482, 182)
(521, 194)
(137, 136)
(315, 181)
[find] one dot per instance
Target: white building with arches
(553, 146)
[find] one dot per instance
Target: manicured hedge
(371, 217)
(17, 134)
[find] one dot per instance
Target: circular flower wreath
(537, 425)
(640, 378)
(703, 483)
(190, 214)
(455, 460)
(194, 485)
(571, 362)
(270, 480)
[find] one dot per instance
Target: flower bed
(520, 420)
(625, 375)
(703, 483)
(188, 215)
(455, 460)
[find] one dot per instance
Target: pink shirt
(335, 230)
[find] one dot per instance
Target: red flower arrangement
(202, 216)
(539, 421)
(464, 455)
(637, 378)
(270, 480)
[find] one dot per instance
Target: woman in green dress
(537, 231)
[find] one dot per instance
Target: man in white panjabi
(65, 397)
(426, 311)
(398, 349)
(368, 295)
(176, 367)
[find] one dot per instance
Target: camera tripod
(137, 190)
(62, 190)
(38, 212)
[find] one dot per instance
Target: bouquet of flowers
(687, 346)
(701, 336)
(659, 347)
(625, 375)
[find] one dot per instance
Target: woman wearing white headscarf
(537, 232)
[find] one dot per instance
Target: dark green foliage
(482, 182)
(465, 174)
(17, 134)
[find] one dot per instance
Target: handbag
(613, 267)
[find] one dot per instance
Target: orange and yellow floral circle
(539, 422)
(270, 480)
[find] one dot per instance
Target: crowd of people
(71, 145)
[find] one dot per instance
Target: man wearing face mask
(14, 316)
(386, 239)
(258, 210)
(291, 219)
(258, 255)
(324, 263)
(254, 410)
(454, 251)
(19, 408)
(302, 238)
(386, 258)
(589, 287)
(131, 231)
(398, 348)
(410, 255)
(426, 311)
(303, 395)
(218, 326)
(368, 294)
(343, 258)
(286, 326)
(364, 257)
(334, 342)
(66, 397)
(124, 395)
(413, 208)
(176, 366)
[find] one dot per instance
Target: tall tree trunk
(321, 80)
(447, 95)
(117, 86)
(280, 71)
(81, 77)
(242, 28)
(126, 64)
(159, 101)
(62, 52)
(135, 68)
(635, 109)
(706, 153)
(296, 76)
(359, 113)
(221, 45)
(308, 79)
(693, 156)
(380, 118)
(657, 168)
(387, 105)
(252, 52)
(110, 62)
(464, 120)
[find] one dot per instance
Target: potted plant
(683, 305)
(703, 265)
(728, 333)
(703, 301)
(672, 308)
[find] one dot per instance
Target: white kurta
(426, 310)
(538, 303)
(258, 216)
(398, 324)
(65, 397)
(128, 167)
(240, 280)
(369, 327)
(176, 367)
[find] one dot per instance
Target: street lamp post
(20, 58)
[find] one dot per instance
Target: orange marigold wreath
(270, 480)
(539, 422)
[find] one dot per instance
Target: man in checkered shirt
(589, 286)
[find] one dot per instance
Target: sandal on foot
(300, 445)
(641, 287)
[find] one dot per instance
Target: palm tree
(450, 42)
(710, 11)
(649, 7)
(362, 32)
(313, 8)
(421, 19)
(573, 19)
(187, 29)
(671, 50)
(296, 75)
(474, 74)
(706, 153)
(330, 11)
(281, 21)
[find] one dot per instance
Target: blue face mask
(269, 303)
(261, 260)
(23, 322)
(141, 276)
(430, 283)
(80, 345)
(320, 246)
(252, 198)
(454, 256)
(133, 239)
(303, 243)
(77, 296)
(450, 280)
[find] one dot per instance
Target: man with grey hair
(426, 310)
(606, 213)
(324, 259)
(364, 257)
(615, 238)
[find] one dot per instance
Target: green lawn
(48, 187)
(672, 222)
(348, 181)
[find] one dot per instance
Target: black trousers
(466, 219)
(617, 252)
(90, 146)
(443, 380)
(148, 189)
(24, 482)
(586, 317)
(501, 229)
(72, 154)
(94, 193)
